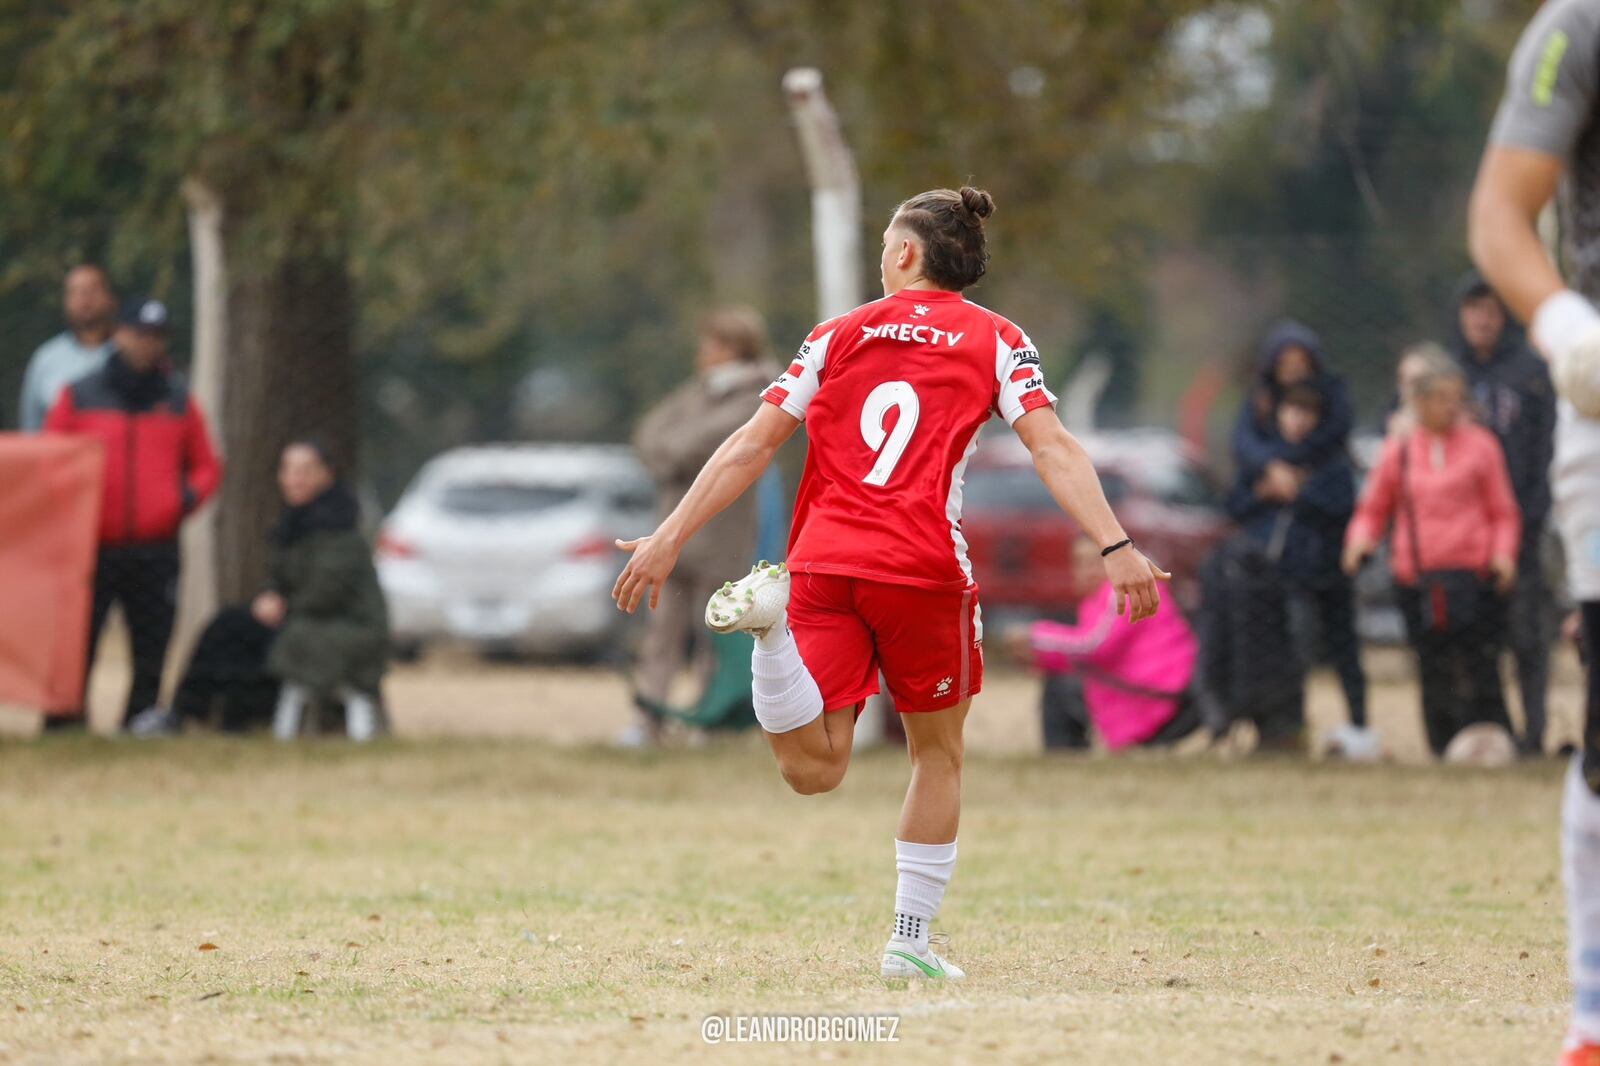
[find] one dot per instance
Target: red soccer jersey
(893, 395)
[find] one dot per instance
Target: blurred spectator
(323, 599)
(1310, 512)
(1291, 354)
(160, 466)
(1403, 408)
(1456, 530)
(674, 440)
(1136, 678)
(1513, 398)
(91, 313)
(320, 625)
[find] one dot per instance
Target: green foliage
(569, 184)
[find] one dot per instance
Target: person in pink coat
(1135, 677)
(1443, 488)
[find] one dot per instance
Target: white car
(508, 548)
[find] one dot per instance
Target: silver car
(508, 548)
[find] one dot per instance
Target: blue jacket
(1255, 435)
(1316, 522)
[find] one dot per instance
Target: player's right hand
(1135, 580)
(653, 559)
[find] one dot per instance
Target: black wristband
(1124, 543)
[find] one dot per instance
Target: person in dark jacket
(1302, 527)
(160, 466)
(1291, 354)
(323, 599)
(321, 626)
(1513, 398)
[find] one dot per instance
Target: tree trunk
(197, 589)
(291, 374)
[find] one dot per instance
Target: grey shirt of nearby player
(1549, 106)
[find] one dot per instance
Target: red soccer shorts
(927, 642)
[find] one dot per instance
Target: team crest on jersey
(919, 310)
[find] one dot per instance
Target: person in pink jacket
(1443, 488)
(1135, 677)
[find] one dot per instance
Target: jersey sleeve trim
(1551, 81)
(798, 385)
(1019, 379)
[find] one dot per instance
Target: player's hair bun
(950, 225)
(977, 203)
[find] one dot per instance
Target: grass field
(499, 901)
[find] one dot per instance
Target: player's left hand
(653, 559)
(1135, 579)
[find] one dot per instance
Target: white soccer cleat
(755, 603)
(901, 959)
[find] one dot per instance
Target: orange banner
(49, 522)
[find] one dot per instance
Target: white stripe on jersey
(952, 506)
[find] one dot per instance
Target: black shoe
(65, 723)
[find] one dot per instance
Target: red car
(1020, 541)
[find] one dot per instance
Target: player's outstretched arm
(1065, 469)
(1513, 186)
(732, 468)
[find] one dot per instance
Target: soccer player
(893, 394)
(1547, 134)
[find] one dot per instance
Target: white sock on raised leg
(785, 694)
(925, 870)
(1580, 860)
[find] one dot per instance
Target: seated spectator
(1300, 524)
(1456, 532)
(1135, 677)
(321, 627)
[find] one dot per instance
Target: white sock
(1580, 854)
(290, 710)
(785, 694)
(360, 715)
(774, 637)
(925, 870)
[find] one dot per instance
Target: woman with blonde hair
(1442, 486)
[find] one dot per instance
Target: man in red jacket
(160, 466)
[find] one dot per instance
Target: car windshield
(1180, 484)
(1019, 489)
(494, 499)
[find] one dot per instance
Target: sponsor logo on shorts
(943, 687)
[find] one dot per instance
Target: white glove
(1566, 327)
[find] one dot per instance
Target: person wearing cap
(1512, 397)
(160, 467)
(79, 350)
